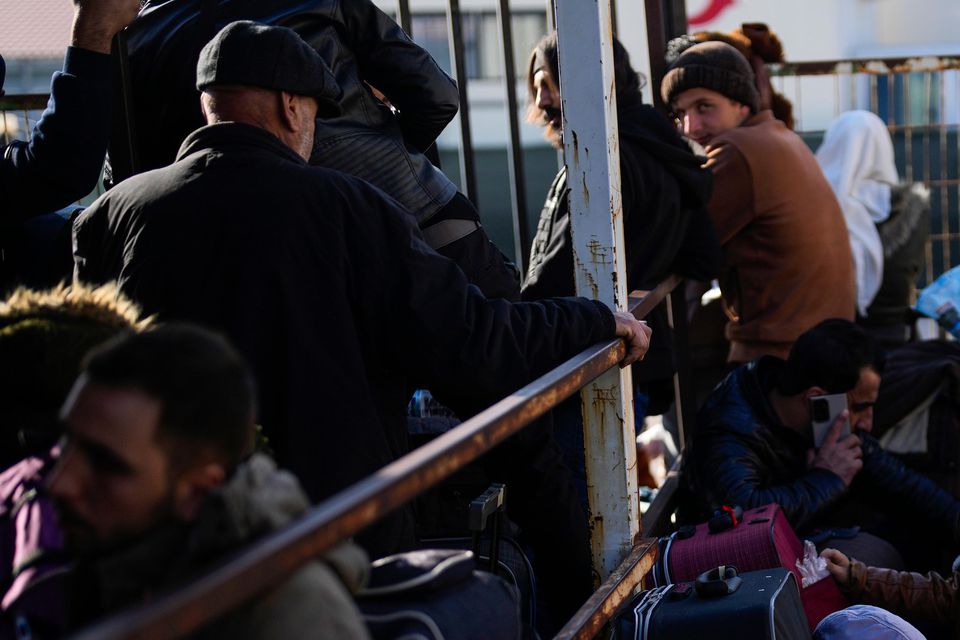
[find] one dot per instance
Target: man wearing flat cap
(396, 101)
(339, 314)
(787, 260)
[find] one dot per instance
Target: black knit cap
(253, 54)
(712, 65)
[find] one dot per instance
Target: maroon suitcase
(763, 539)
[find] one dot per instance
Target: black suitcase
(497, 553)
(760, 605)
(437, 594)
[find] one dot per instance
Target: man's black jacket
(742, 454)
(328, 289)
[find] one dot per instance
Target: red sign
(713, 9)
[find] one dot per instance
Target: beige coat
(315, 602)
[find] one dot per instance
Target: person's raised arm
(95, 22)
(62, 161)
(413, 82)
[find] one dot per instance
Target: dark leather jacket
(359, 43)
(742, 454)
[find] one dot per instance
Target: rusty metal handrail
(600, 608)
(876, 66)
(270, 560)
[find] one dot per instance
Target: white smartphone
(824, 410)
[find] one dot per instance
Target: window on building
(909, 98)
(481, 41)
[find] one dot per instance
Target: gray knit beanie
(712, 65)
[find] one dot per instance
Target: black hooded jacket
(666, 226)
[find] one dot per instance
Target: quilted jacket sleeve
(732, 470)
(887, 479)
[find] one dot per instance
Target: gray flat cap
(253, 54)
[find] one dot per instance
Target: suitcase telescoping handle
(721, 581)
(726, 517)
(490, 503)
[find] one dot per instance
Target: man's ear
(289, 111)
(193, 486)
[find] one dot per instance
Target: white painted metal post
(592, 155)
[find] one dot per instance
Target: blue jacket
(742, 454)
(62, 160)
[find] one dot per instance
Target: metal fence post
(468, 172)
(592, 155)
(666, 19)
(518, 190)
(403, 17)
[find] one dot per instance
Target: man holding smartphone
(837, 447)
(755, 445)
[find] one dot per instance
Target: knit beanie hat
(712, 65)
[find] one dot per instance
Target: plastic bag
(812, 567)
(941, 301)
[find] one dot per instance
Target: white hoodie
(857, 158)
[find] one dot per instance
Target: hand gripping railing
(270, 560)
